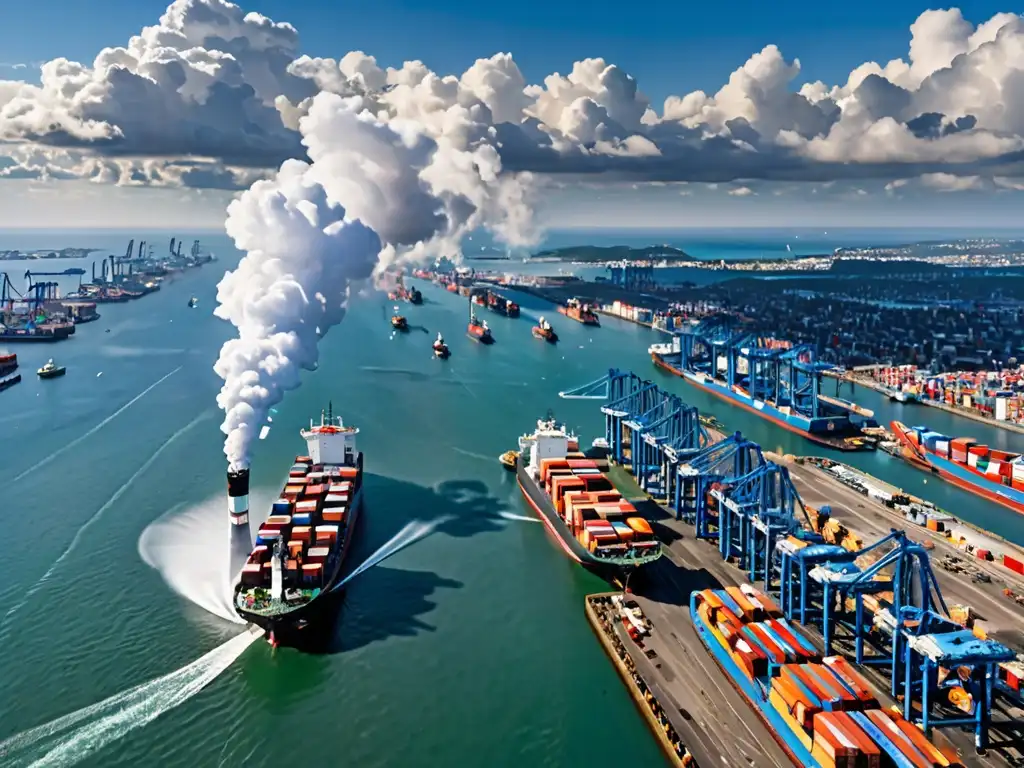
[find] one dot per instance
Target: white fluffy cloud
(212, 96)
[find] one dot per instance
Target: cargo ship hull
(961, 475)
(309, 613)
(750, 691)
(791, 422)
(575, 314)
(570, 545)
(36, 336)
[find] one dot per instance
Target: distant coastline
(601, 254)
(47, 253)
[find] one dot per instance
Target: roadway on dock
(720, 726)
(871, 520)
(713, 720)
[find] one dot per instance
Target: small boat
(193, 302)
(543, 330)
(477, 330)
(508, 460)
(51, 370)
(5, 383)
(440, 348)
(415, 297)
(399, 323)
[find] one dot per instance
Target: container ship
(821, 711)
(300, 549)
(833, 427)
(995, 475)
(576, 310)
(498, 303)
(578, 504)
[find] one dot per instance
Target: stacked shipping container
(598, 516)
(826, 708)
(308, 519)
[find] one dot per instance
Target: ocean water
(469, 647)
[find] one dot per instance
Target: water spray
(410, 534)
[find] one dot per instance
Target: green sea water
(469, 647)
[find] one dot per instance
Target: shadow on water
(388, 601)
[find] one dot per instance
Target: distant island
(46, 253)
(602, 254)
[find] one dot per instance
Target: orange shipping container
(640, 525)
(333, 515)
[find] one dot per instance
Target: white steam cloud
(302, 253)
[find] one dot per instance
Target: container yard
(993, 397)
(841, 645)
(40, 313)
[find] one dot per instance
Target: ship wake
(191, 551)
(410, 534)
(76, 736)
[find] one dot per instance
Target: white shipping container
(1001, 411)
(972, 459)
(993, 468)
(942, 447)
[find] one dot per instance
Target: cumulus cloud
(741, 192)
(212, 85)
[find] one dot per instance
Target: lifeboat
(508, 460)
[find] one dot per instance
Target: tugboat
(477, 330)
(193, 302)
(398, 322)
(440, 348)
(415, 297)
(51, 370)
(508, 460)
(543, 330)
(297, 560)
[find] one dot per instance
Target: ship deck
(712, 718)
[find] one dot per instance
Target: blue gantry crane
(657, 428)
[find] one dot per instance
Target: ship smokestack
(238, 512)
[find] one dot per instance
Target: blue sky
(670, 47)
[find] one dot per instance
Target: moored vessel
(543, 330)
(820, 710)
(832, 428)
(591, 521)
(993, 474)
(579, 311)
(300, 549)
(8, 364)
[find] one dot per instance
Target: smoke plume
(289, 289)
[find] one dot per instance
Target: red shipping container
(983, 554)
(1013, 564)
